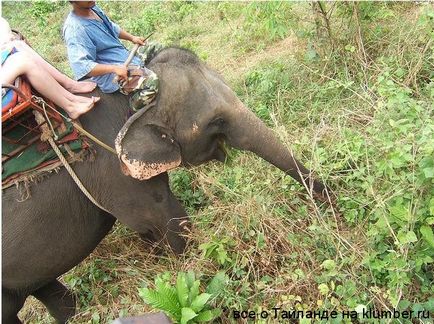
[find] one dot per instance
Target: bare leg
(22, 63)
(64, 80)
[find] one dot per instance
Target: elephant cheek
(143, 170)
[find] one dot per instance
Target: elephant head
(195, 113)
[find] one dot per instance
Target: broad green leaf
(194, 291)
(323, 289)
(182, 289)
(428, 172)
(429, 305)
(222, 255)
(187, 314)
(411, 237)
(417, 307)
(329, 265)
(190, 277)
(427, 234)
(399, 213)
(404, 304)
(96, 318)
(208, 315)
(407, 237)
(205, 248)
(427, 166)
(199, 302)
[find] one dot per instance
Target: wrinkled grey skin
(54, 230)
(195, 112)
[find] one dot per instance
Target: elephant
(194, 115)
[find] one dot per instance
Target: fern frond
(169, 293)
(159, 300)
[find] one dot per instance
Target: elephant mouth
(143, 170)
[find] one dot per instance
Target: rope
(93, 138)
(83, 131)
(41, 101)
(47, 136)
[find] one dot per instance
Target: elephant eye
(217, 122)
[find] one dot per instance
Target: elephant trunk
(248, 132)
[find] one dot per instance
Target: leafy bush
(217, 249)
(183, 302)
(401, 231)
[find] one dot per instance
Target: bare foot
(81, 86)
(78, 98)
(79, 108)
(85, 99)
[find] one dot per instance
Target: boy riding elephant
(95, 51)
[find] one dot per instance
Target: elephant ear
(146, 150)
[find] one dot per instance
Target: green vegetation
(350, 88)
(183, 303)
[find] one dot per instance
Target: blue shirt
(89, 42)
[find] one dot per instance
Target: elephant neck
(106, 119)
